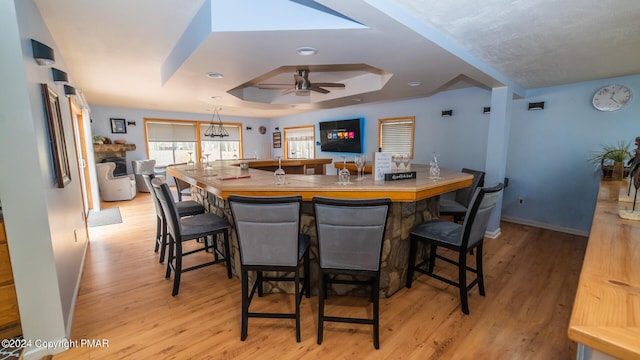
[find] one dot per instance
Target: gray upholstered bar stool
(269, 239)
(180, 230)
(459, 238)
(185, 208)
(350, 238)
(457, 206)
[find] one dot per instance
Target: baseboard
(493, 234)
(72, 310)
(545, 226)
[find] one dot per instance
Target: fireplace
(121, 165)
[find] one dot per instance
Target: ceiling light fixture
(216, 129)
(415, 83)
(213, 75)
(42, 53)
(306, 51)
(59, 76)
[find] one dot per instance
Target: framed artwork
(56, 136)
(118, 126)
(277, 139)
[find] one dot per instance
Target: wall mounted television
(341, 135)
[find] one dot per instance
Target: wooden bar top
(606, 310)
(261, 183)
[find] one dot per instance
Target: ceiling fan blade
(289, 91)
(273, 86)
(315, 87)
(338, 85)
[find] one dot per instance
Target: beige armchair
(114, 188)
(143, 167)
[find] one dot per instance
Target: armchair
(142, 167)
(114, 188)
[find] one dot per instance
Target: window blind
(170, 131)
(397, 136)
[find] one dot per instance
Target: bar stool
(193, 227)
(457, 207)
(269, 239)
(460, 238)
(185, 208)
(350, 238)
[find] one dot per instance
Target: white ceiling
(125, 53)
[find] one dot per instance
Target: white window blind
(173, 131)
(396, 136)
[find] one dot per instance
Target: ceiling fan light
(306, 51)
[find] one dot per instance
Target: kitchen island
(414, 201)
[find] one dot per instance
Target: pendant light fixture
(216, 129)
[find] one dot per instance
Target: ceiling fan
(302, 85)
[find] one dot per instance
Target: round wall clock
(612, 97)
(262, 130)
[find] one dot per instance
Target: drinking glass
(344, 175)
(279, 173)
(190, 163)
(207, 164)
(434, 169)
(360, 160)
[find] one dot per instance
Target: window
(175, 141)
(225, 148)
(395, 135)
(299, 142)
(171, 142)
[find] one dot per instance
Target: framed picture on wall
(56, 137)
(277, 139)
(118, 126)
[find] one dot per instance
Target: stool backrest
(169, 209)
(477, 218)
(147, 180)
(464, 196)
(350, 232)
(267, 229)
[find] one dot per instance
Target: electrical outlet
(521, 201)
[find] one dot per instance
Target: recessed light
(306, 51)
(415, 83)
(215, 97)
(356, 99)
(213, 75)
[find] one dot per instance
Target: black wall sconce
(131, 123)
(486, 110)
(42, 53)
(277, 128)
(447, 113)
(249, 128)
(69, 90)
(59, 76)
(536, 105)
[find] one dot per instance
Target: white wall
(40, 219)
(548, 150)
(101, 125)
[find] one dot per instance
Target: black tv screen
(341, 136)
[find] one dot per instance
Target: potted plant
(611, 158)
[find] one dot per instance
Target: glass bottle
(279, 173)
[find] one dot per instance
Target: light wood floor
(531, 277)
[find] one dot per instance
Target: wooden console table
(606, 310)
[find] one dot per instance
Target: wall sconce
(59, 76)
(42, 53)
(69, 90)
(249, 128)
(486, 110)
(536, 105)
(447, 113)
(277, 128)
(131, 123)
